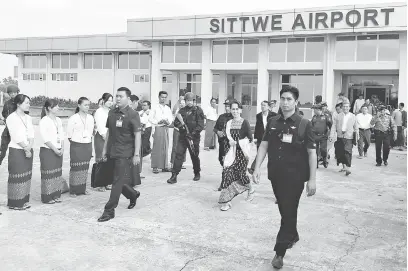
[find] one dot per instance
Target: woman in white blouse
(51, 153)
(101, 116)
(79, 132)
(20, 158)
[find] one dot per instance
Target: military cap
(324, 104)
(317, 106)
(12, 89)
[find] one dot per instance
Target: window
(251, 48)
(181, 52)
(166, 79)
(388, 47)
(345, 48)
(35, 61)
(141, 78)
(314, 49)
(309, 86)
(34, 76)
(64, 77)
(296, 50)
(134, 60)
(234, 51)
(98, 61)
(367, 48)
(64, 61)
(190, 82)
(277, 50)
(219, 51)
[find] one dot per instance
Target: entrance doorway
(369, 92)
(244, 88)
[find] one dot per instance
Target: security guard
(384, 126)
(321, 128)
(190, 122)
(122, 151)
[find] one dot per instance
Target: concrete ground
(353, 223)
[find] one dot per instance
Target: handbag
(102, 174)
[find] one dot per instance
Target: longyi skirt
(51, 175)
(81, 154)
(19, 180)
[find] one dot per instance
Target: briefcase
(102, 174)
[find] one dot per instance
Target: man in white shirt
(211, 117)
(363, 123)
(358, 104)
(146, 126)
(161, 117)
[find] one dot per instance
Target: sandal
(226, 206)
(26, 206)
(58, 200)
(108, 187)
(250, 196)
(87, 193)
(101, 189)
(50, 202)
(155, 171)
(73, 195)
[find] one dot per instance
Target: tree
(7, 81)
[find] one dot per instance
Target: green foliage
(7, 81)
(40, 100)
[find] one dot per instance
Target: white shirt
(144, 118)
(264, 120)
(101, 116)
(51, 131)
(345, 120)
(21, 129)
(211, 113)
(80, 130)
(357, 105)
(363, 121)
(161, 112)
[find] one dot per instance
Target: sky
(38, 18)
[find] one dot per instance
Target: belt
(319, 134)
(364, 129)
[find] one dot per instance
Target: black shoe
(378, 165)
(293, 242)
(385, 163)
(325, 164)
(196, 177)
(173, 179)
(277, 262)
(132, 203)
(107, 215)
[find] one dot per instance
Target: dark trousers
(400, 137)
(146, 147)
(321, 147)
(382, 141)
(121, 175)
(287, 193)
(221, 150)
(182, 146)
(364, 141)
(258, 143)
(5, 141)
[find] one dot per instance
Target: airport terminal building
(247, 56)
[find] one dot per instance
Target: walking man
(190, 121)
(219, 129)
(321, 128)
(363, 123)
(262, 119)
(161, 117)
(384, 127)
(397, 116)
(211, 118)
(358, 104)
(121, 150)
(146, 128)
(289, 143)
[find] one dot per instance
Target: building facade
(247, 56)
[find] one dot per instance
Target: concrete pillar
(222, 95)
(328, 72)
(263, 74)
(238, 88)
(174, 93)
(156, 74)
(403, 87)
(206, 74)
(48, 75)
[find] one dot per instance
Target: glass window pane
(56, 59)
(147, 78)
(42, 62)
(144, 60)
(251, 51)
(182, 52)
(314, 49)
(277, 50)
(35, 62)
(75, 77)
(367, 48)
(168, 52)
(296, 51)
(345, 48)
(219, 51)
(64, 61)
(97, 61)
(134, 61)
(107, 61)
(123, 61)
(73, 61)
(388, 48)
(88, 61)
(234, 51)
(195, 52)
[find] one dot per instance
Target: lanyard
(55, 124)
(83, 122)
(24, 122)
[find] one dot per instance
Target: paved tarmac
(353, 223)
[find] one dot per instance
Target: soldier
(190, 122)
(321, 128)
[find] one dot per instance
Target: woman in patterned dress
(234, 178)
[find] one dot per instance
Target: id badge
(287, 138)
(119, 123)
(84, 135)
(59, 143)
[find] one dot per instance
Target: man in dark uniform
(8, 108)
(384, 126)
(290, 145)
(190, 122)
(219, 129)
(121, 150)
(321, 128)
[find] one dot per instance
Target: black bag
(102, 174)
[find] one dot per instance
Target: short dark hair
(163, 92)
(20, 98)
(364, 106)
(134, 98)
(125, 89)
(402, 104)
(318, 99)
(265, 102)
(301, 113)
(291, 89)
(213, 99)
(273, 101)
(148, 103)
(339, 105)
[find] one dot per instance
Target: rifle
(189, 140)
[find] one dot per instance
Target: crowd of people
(120, 132)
